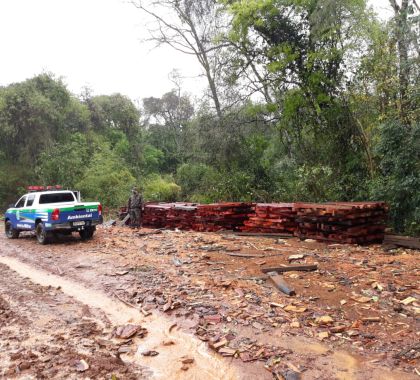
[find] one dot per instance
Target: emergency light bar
(42, 188)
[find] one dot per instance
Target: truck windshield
(56, 198)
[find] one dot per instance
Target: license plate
(81, 223)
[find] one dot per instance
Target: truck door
(19, 206)
(29, 213)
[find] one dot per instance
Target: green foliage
(152, 159)
(13, 181)
(106, 179)
(198, 181)
(158, 188)
(64, 163)
(114, 112)
(319, 102)
(398, 179)
(35, 113)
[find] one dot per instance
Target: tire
(87, 233)
(43, 237)
(11, 233)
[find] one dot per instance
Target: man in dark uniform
(135, 203)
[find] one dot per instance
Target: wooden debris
(324, 320)
(402, 241)
(128, 331)
(227, 351)
(219, 344)
(290, 268)
(296, 309)
(371, 319)
(408, 300)
(281, 284)
(295, 257)
(338, 329)
(82, 366)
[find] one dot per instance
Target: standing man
(135, 203)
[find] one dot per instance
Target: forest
(309, 100)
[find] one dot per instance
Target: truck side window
(56, 198)
(21, 202)
(30, 200)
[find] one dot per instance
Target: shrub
(164, 189)
(398, 180)
(106, 180)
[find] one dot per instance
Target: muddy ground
(199, 307)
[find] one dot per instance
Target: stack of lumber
(342, 222)
(155, 215)
(181, 216)
(271, 218)
(222, 216)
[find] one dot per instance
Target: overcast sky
(93, 43)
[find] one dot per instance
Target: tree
(407, 30)
(64, 163)
(35, 113)
(106, 179)
(117, 119)
(166, 120)
(306, 47)
(114, 112)
(190, 27)
(398, 180)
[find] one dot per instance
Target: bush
(198, 181)
(106, 180)
(398, 180)
(13, 183)
(163, 189)
(63, 163)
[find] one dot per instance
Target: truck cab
(49, 212)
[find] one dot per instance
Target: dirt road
(63, 306)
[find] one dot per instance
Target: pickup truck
(49, 213)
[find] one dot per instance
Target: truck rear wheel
(43, 236)
(11, 233)
(87, 233)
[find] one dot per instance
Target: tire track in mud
(168, 363)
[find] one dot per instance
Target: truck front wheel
(11, 233)
(42, 235)
(87, 233)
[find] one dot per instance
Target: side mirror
(11, 205)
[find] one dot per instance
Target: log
(259, 234)
(122, 222)
(280, 284)
(290, 268)
(402, 241)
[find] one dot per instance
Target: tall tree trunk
(402, 34)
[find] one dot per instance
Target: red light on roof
(41, 188)
(36, 188)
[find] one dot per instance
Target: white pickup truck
(51, 212)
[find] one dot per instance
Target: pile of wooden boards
(190, 216)
(155, 214)
(342, 222)
(182, 216)
(222, 216)
(169, 215)
(271, 218)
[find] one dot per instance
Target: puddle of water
(344, 365)
(168, 363)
